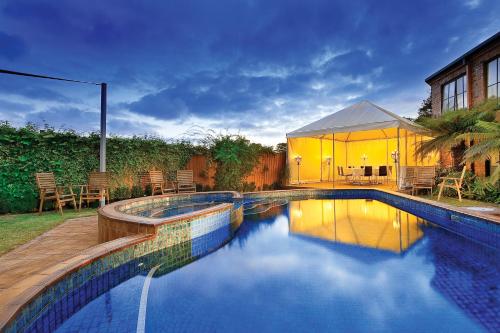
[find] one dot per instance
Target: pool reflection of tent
(360, 134)
(359, 223)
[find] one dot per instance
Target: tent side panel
(309, 149)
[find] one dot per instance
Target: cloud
(14, 106)
(472, 4)
(256, 67)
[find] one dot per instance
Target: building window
(487, 168)
(455, 94)
(493, 79)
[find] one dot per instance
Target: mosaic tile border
(111, 255)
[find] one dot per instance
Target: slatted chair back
(462, 176)
(339, 171)
(409, 177)
(368, 171)
(382, 170)
(425, 175)
(156, 177)
(46, 182)
(185, 178)
(98, 180)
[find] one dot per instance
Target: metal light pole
(104, 88)
(298, 159)
(102, 143)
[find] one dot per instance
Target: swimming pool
(299, 265)
(171, 209)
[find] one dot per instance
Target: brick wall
(475, 68)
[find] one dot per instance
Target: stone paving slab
(25, 264)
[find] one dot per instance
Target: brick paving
(25, 264)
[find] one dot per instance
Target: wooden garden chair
(407, 180)
(50, 191)
(185, 183)
(453, 183)
(157, 183)
(425, 179)
(96, 189)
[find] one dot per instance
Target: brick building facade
(466, 82)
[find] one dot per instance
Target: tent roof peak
(362, 116)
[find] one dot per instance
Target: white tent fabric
(362, 116)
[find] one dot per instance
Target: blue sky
(259, 68)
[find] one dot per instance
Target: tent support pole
(406, 147)
(386, 149)
(321, 159)
(415, 155)
(287, 162)
(346, 163)
(398, 171)
(333, 158)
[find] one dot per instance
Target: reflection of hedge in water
(254, 223)
(259, 209)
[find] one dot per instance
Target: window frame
(445, 102)
(497, 74)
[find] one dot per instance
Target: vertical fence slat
(273, 163)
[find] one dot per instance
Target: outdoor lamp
(328, 162)
(364, 157)
(298, 159)
(395, 156)
(395, 159)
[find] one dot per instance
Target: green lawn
(17, 229)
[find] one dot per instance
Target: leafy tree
(236, 157)
(486, 135)
(455, 128)
(425, 110)
(281, 147)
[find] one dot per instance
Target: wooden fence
(266, 172)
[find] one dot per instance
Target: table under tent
(360, 135)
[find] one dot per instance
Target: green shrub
(235, 157)
(137, 191)
(249, 187)
(483, 190)
(475, 188)
(27, 150)
(121, 193)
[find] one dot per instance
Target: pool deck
(21, 267)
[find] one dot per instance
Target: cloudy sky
(259, 68)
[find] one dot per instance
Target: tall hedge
(71, 157)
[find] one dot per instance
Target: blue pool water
(173, 209)
(309, 266)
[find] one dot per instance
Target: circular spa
(344, 260)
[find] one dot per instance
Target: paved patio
(27, 262)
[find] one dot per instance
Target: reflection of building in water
(468, 274)
(361, 222)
